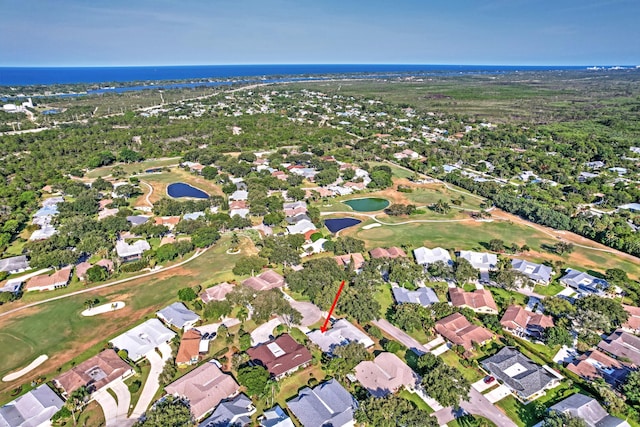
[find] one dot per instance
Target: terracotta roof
(189, 346)
(622, 345)
(385, 374)
(308, 234)
(238, 204)
(633, 322)
(106, 263)
(517, 317)
(205, 387)
(166, 240)
(104, 202)
(266, 280)
(345, 260)
(474, 300)
(216, 293)
(457, 329)
(81, 269)
(94, 373)
(167, 220)
(59, 278)
(589, 365)
(392, 252)
(281, 355)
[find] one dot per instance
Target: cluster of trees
(392, 411)
(399, 209)
(444, 383)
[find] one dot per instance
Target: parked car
(489, 379)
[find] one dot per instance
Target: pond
(180, 189)
(336, 224)
(368, 204)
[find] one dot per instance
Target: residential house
(234, 412)
(595, 364)
(106, 213)
(242, 213)
(342, 332)
(131, 252)
(583, 283)
(205, 387)
(521, 322)
(328, 404)
(275, 417)
(14, 265)
(425, 256)
(314, 247)
(137, 219)
(216, 293)
(179, 316)
(595, 164)
(264, 281)
(633, 323)
(33, 409)
(95, 373)
(292, 220)
(189, 350)
(192, 216)
(585, 176)
(281, 356)
(480, 300)
(168, 221)
(239, 195)
(539, 273)
(623, 346)
(301, 227)
(142, 339)
(12, 285)
(386, 374)
(523, 377)
(294, 208)
(355, 261)
(423, 296)
(392, 252)
(589, 410)
(459, 331)
(482, 261)
(57, 280)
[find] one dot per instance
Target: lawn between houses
(58, 330)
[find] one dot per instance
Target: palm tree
(243, 314)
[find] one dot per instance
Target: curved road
(106, 285)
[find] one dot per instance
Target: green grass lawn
(453, 360)
(395, 170)
(131, 168)
(145, 368)
(384, 297)
(505, 298)
(412, 397)
(548, 290)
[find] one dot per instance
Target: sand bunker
(366, 227)
(33, 365)
(104, 308)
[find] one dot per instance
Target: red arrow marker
(323, 329)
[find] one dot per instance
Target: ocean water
(21, 76)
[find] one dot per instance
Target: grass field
(417, 400)
(134, 168)
(58, 330)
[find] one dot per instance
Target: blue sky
(174, 32)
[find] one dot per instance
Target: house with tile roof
(386, 374)
(589, 410)
(327, 404)
(623, 346)
(205, 387)
(423, 296)
(527, 380)
(266, 280)
(216, 293)
(33, 409)
(521, 322)
(392, 252)
(425, 256)
(355, 261)
(539, 273)
(189, 350)
(57, 280)
(142, 339)
(459, 331)
(584, 283)
(231, 412)
(633, 322)
(280, 356)
(595, 364)
(95, 373)
(342, 332)
(480, 300)
(179, 316)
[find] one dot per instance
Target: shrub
(135, 386)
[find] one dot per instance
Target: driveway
(109, 406)
(498, 394)
(480, 405)
(401, 336)
(263, 332)
(124, 400)
(151, 386)
(310, 312)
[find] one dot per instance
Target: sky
(212, 32)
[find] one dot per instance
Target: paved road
(401, 336)
(310, 312)
(152, 384)
(477, 405)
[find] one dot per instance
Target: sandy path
(104, 308)
(30, 367)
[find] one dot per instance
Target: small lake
(180, 189)
(336, 224)
(368, 204)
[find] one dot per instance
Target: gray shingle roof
(234, 412)
(178, 315)
(537, 272)
(143, 338)
(518, 372)
(422, 296)
(31, 410)
(328, 404)
(583, 282)
(588, 409)
(15, 263)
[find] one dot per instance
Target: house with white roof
(423, 296)
(425, 256)
(584, 283)
(142, 339)
(179, 316)
(131, 252)
(239, 195)
(314, 247)
(539, 273)
(342, 332)
(482, 261)
(301, 227)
